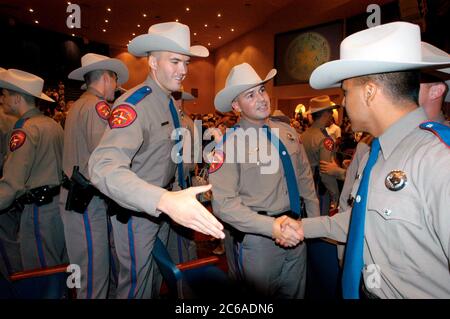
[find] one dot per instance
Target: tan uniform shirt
(314, 142)
(407, 232)
(240, 190)
(84, 127)
(6, 125)
(37, 162)
(131, 164)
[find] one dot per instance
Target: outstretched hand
(287, 235)
(184, 208)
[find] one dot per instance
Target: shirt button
(387, 212)
(358, 199)
(284, 152)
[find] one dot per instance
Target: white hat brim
(114, 65)
(225, 97)
(332, 73)
(145, 43)
(12, 87)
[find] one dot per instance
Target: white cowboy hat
(119, 88)
(241, 78)
(321, 103)
(385, 48)
(23, 82)
(91, 62)
(167, 36)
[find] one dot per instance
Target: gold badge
(396, 180)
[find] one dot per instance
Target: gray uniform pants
(10, 259)
(271, 271)
(41, 236)
(89, 245)
(139, 276)
(181, 245)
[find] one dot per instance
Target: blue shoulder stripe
(440, 130)
(138, 95)
(20, 123)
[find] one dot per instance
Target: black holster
(81, 192)
(321, 188)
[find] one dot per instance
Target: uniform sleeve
(17, 168)
(95, 126)
(335, 227)
(328, 180)
(437, 190)
(306, 184)
(109, 169)
(228, 206)
(352, 171)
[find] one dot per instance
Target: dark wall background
(47, 54)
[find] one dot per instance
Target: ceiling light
(206, 25)
(195, 33)
(144, 15)
(31, 10)
(209, 43)
(69, 3)
(176, 20)
(219, 15)
(36, 21)
(220, 37)
(73, 34)
(232, 30)
(187, 9)
(134, 34)
(106, 20)
(104, 30)
(108, 9)
(138, 25)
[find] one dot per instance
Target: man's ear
(152, 62)
(370, 90)
(235, 106)
(437, 90)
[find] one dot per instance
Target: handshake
(287, 232)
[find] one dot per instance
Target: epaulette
(440, 130)
(138, 95)
(20, 123)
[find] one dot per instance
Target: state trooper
(10, 261)
(255, 202)
(86, 223)
(398, 237)
(133, 163)
(32, 171)
(319, 146)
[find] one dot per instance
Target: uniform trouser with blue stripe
(10, 259)
(89, 245)
(41, 236)
(139, 276)
(181, 245)
(272, 271)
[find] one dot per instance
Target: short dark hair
(318, 115)
(95, 75)
(400, 86)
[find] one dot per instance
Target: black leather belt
(40, 195)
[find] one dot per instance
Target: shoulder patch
(103, 110)
(329, 144)
(18, 138)
(440, 130)
(217, 160)
(122, 116)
